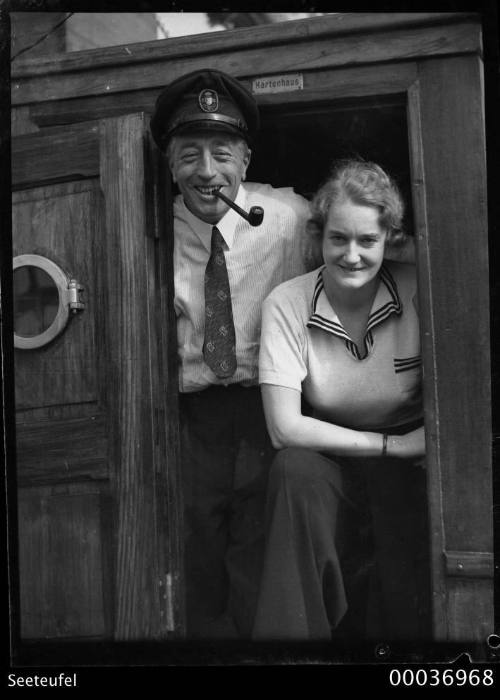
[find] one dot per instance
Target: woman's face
(353, 245)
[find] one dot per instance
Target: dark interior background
(297, 143)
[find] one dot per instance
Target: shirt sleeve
(293, 213)
(415, 303)
(282, 347)
(300, 250)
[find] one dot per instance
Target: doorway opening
(298, 142)
(297, 145)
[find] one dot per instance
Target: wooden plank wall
(322, 53)
(126, 79)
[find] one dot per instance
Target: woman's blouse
(305, 347)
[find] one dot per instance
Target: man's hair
(236, 140)
(364, 183)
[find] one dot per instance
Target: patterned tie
(219, 347)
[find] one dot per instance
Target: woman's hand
(411, 445)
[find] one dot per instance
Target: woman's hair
(361, 182)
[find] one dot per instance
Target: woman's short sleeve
(282, 358)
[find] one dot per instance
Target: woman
(346, 339)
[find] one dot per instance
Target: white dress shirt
(257, 259)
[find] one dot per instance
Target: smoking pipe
(254, 217)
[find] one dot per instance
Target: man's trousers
(226, 455)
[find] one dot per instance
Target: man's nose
(206, 167)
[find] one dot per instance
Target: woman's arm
(409, 445)
(289, 428)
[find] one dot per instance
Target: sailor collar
(227, 225)
(386, 303)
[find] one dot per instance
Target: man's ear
(172, 172)
(246, 162)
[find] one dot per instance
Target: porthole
(44, 299)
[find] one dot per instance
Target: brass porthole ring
(42, 312)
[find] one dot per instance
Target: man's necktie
(219, 350)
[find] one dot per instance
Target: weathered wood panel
(338, 83)
(129, 256)
(61, 223)
(453, 252)
(62, 562)
(283, 33)
(470, 606)
(21, 121)
(61, 451)
(28, 416)
(55, 155)
(469, 564)
(339, 51)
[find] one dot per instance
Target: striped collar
(386, 302)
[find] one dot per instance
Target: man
(205, 122)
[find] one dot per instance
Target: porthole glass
(36, 301)
(44, 296)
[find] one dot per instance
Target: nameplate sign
(278, 83)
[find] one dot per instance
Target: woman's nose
(351, 254)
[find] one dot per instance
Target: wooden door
(96, 431)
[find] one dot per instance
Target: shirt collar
(386, 302)
(227, 225)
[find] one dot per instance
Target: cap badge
(209, 100)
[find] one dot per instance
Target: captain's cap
(204, 100)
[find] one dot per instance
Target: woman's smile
(353, 247)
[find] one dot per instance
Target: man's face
(203, 163)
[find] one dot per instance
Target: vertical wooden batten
(129, 258)
(450, 197)
(169, 499)
(428, 336)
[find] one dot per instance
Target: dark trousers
(226, 456)
(346, 549)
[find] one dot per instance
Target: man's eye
(368, 241)
(222, 155)
(188, 156)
